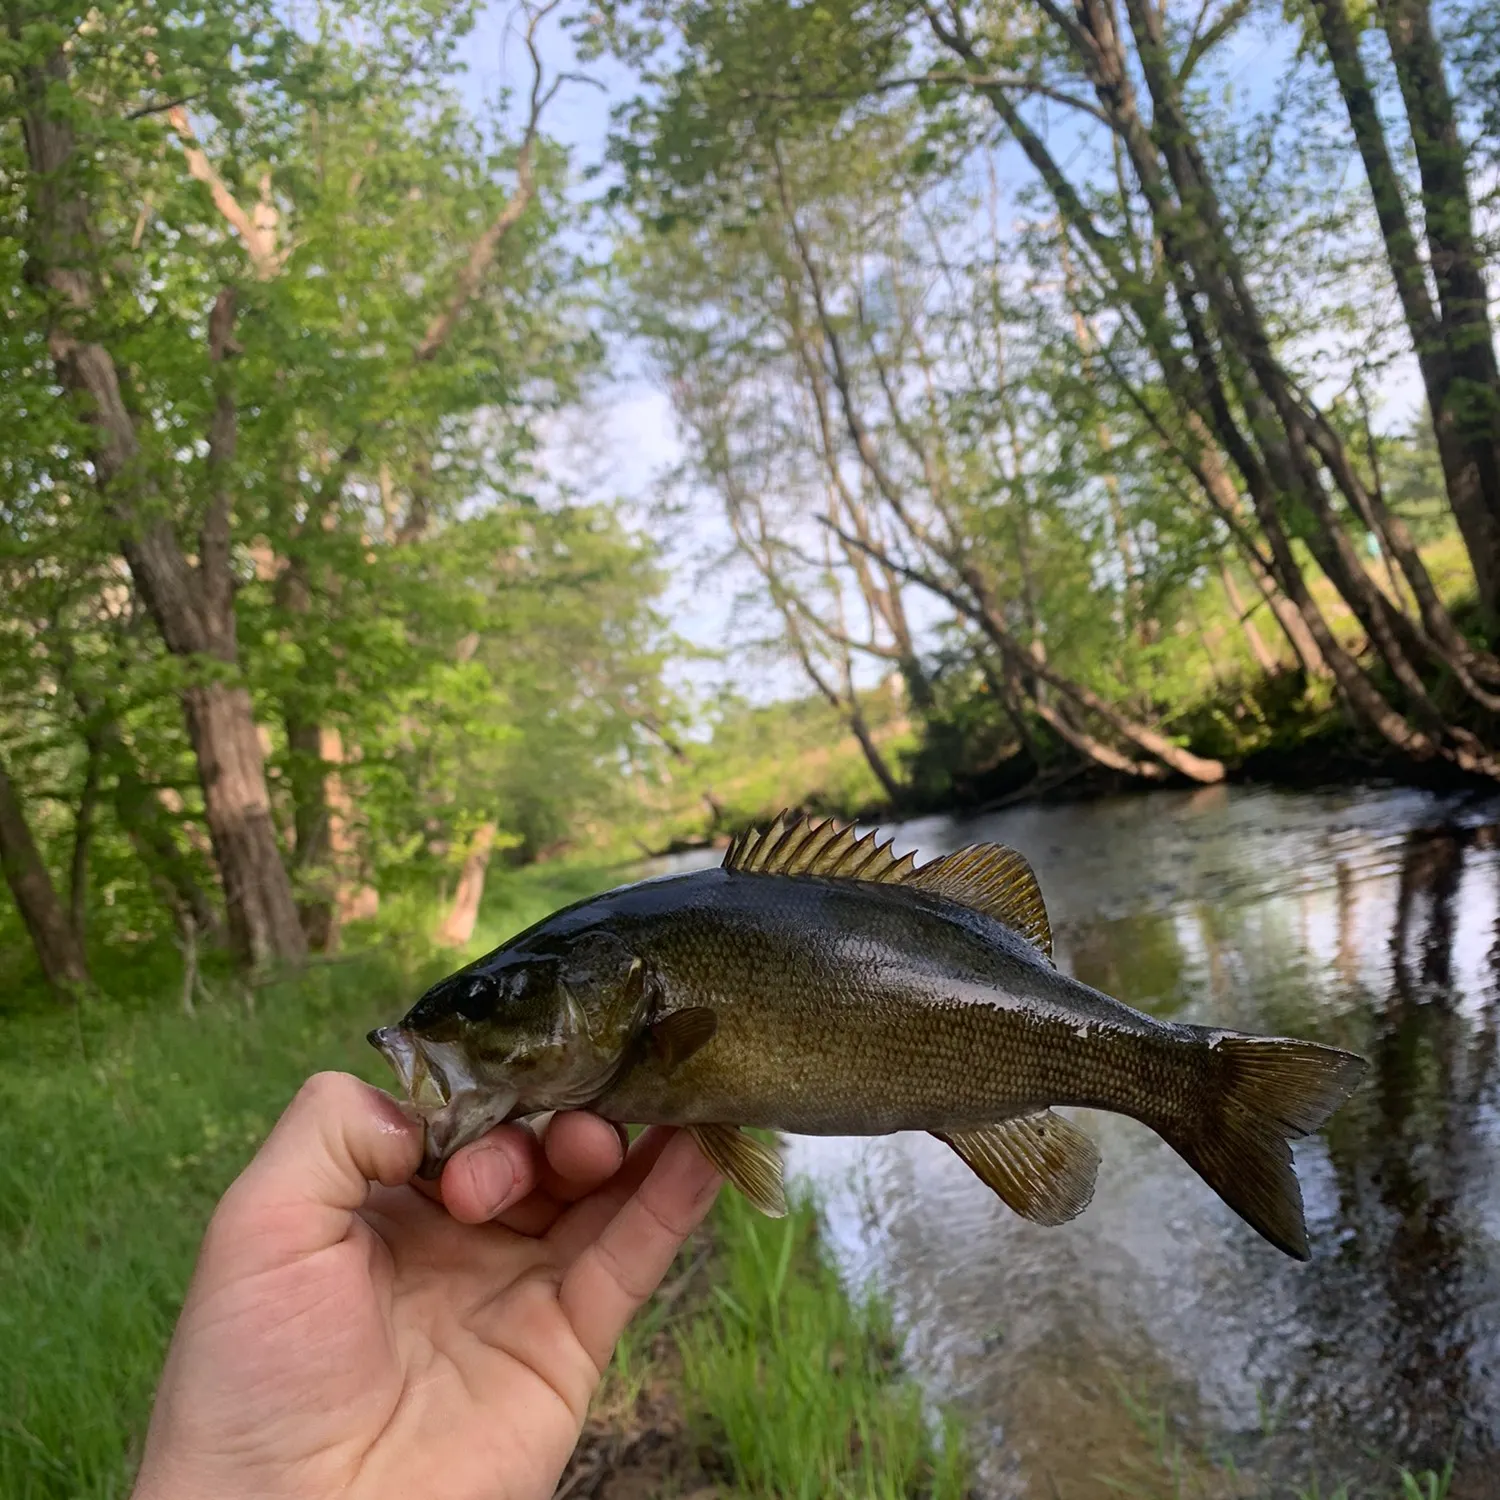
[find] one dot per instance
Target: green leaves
(476, 652)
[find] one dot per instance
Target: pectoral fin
(677, 1036)
(1042, 1166)
(753, 1168)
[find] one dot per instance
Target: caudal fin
(1270, 1091)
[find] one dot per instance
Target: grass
(799, 1386)
(121, 1124)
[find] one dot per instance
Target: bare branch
(1202, 42)
(257, 229)
(161, 108)
(936, 78)
(487, 246)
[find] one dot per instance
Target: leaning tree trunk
(56, 940)
(192, 605)
(1467, 443)
(1470, 416)
(458, 926)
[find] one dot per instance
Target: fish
(817, 984)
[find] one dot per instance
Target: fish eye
(478, 997)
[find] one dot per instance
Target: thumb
(315, 1169)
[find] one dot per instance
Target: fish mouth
(455, 1109)
(425, 1087)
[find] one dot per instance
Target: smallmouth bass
(815, 983)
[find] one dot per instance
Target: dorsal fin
(995, 880)
(987, 877)
(795, 845)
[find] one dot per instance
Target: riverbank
(751, 1374)
(1269, 732)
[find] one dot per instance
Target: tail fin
(1269, 1091)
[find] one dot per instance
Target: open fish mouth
(426, 1088)
(454, 1108)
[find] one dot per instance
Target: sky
(623, 445)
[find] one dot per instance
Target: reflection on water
(1370, 920)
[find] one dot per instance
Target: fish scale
(818, 984)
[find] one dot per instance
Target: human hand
(347, 1334)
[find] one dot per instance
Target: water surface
(1156, 1345)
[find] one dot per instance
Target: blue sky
(623, 444)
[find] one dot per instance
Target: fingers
(487, 1177)
(614, 1275)
(510, 1178)
(582, 1152)
(583, 1223)
(315, 1169)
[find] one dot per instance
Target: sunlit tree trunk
(457, 926)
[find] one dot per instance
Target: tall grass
(798, 1385)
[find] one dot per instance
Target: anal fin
(753, 1168)
(1042, 1166)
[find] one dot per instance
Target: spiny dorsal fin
(795, 845)
(986, 877)
(995, 880)
(1041, 1165)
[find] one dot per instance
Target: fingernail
(494, 1177)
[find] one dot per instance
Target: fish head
(544, 1024)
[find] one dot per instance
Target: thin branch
(162, 108)
(487, 246)
(937, 78)
(1202, 43)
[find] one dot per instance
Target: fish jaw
(455, 1108)
(452, 1126)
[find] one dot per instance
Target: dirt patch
(645, 1454)
(638, 1447)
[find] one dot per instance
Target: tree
(288, 313)
(1439, 270)
(1158, 209)
(48, 923)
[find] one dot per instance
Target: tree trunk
(1253, 638)
(458, 926)
(192, 606)
(139, 811)
(313, 858)
(263, 921)
(1469, 416)
(142, 817)
(57, 944)
(1467, 430)
(83, 830)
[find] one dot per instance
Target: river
(1156, 1346)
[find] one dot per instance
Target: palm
(413, 1344)
(473, 1311)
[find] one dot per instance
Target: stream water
(1156, 1345)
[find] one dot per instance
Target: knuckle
(328, 1090)
(636, 1285)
